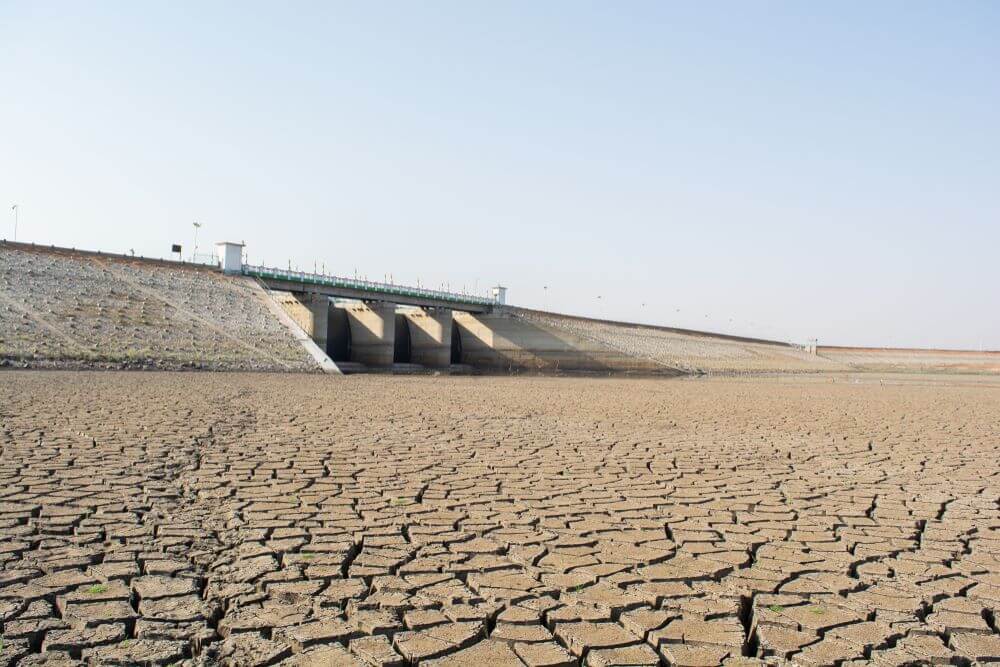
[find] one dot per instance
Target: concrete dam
(383, 336)
(377, 327)
(67, 308)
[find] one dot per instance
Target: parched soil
(257, 519)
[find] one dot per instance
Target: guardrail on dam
(352, 288)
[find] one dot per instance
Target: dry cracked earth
(196, 519)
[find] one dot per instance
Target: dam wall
(62, 308)
(687, 351)
(504, 342)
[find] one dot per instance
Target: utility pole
(14, 208)
(194, 253)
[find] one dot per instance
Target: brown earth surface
(256, 519)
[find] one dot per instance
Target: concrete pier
(430, 336)
(372, 332)
(311, 312)
(281, 304)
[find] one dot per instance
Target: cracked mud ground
(193, 519)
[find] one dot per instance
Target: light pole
(194, 253)
(14, 208)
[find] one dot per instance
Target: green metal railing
(269, 273)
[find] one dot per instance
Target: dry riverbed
(254, 519)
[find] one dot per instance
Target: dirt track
(265, 519)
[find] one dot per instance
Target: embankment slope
(687, 351)
(74, 309)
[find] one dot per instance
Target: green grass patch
(308, 556)
(776, 608)
(97, 589)
(817, 610)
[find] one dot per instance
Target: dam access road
(165, 518)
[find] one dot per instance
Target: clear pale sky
(788, 170)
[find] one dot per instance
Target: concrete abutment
(310, 311)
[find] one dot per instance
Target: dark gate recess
(456, 344)
(401, 350)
